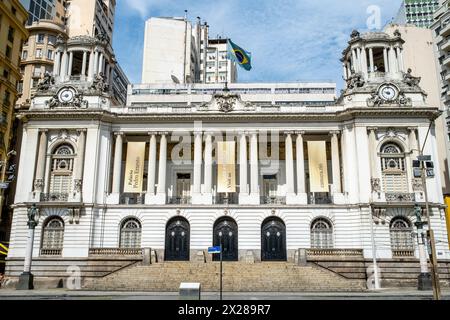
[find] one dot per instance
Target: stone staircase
(237, 276)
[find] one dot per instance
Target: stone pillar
(151, 166)
(80, 162)
(385, 59)
(372, 67)
(91, 65)
(363, 56)
(399, 59)
(69, 72)
(335, 162)
(197, 163)
(290, 188)
(375, 176)
(57, 63)
(117, 173)
(161, 190)
(402, 61)
(254, 171)
(40, 166)
(101, 63)
(83, 66)
(95, 63)
(413, 145)
(63, 72)
(300, 163)
(392, 62)
(354, 61)
(208, 163)
(243, 190)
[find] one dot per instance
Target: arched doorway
(226, 234)
(177, 240)
(273, 240)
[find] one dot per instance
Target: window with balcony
(8, 52)
(38, 53)
(40, 38)
(24, 54)
(52, 237)
(11, 34)
(393, 169)
(402, 243)
(50, 54)
(61, 173)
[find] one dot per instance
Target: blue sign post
(218, 249)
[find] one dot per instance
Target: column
(289, 164)
(354, 61)
(151, 165)
(392, 63)
(413, 146)
(108, 72)
(375, 177)
(399, 59)
(57, 63)
(243, 164)
(161, 190)
(69, 72)
(300, 163)
(91, 65)
(344, 67)
(363, 60)
(117, 163)
(63, 72)
(100, 63)
(95, 63)
(40, 166)
(208, 163)
(254, 175)
(83, 66)
(80, 159)
(402, 61)
(385, 59)
(335, 162)
(372, 68)
(197, 162)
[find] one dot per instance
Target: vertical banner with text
(134, 170)
(226, 171)
(318, 169)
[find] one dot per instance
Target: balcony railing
(131, 198)
(115, 251)
(179, 200)
(231, 198)
(50, 252)
(319, 198)
(273, 200)
(335, 252)
(403, 253)
(54, 197)
(400, 197)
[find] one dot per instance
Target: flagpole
(226, 70)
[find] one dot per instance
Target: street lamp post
(26, 278)
(424, 279)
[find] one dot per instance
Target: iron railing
(319, 198)
(179, 200)
(273, 200)
(400, 197)
(131, 198)
(54, 197)
(231, 198)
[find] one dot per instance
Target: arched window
(393, 169)
(130, 234)
(52, 237)
(321, 234)
(61, 172)
(402, 243)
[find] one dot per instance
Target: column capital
(119, 133)
(289, 132)
(300, 133)
(197, 132)
(372, 129)
(43, 131)
(335, 132)
(84, 130)
(252, 132)
(163, 133)
(412, 128)
(152, 133)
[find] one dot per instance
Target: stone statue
(410, 80)
(355, 34)
(99, 83)
(32, 212)
(355, 81)
(46, 82)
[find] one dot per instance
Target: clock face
(388, 92)
(66, 95)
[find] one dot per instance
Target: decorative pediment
(226, 102)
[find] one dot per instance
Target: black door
(226, 235)
(273, 240)
(177, 240)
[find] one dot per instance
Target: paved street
(60, 294)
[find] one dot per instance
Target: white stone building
(78, 150)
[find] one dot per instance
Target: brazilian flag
(239, 55)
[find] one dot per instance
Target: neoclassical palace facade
(303, 169)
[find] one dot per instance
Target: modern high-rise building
(45, 10)
(417, 12)
(177, 51)
(13, 18)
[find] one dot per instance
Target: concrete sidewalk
(63, 294)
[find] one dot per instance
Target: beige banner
(134, 170)
(318, 169)
(226, 171)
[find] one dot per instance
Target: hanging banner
(134, 169)
(318, 169)
(226, 171)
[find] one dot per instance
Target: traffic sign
(216, 249)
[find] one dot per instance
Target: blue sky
(290, 40)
